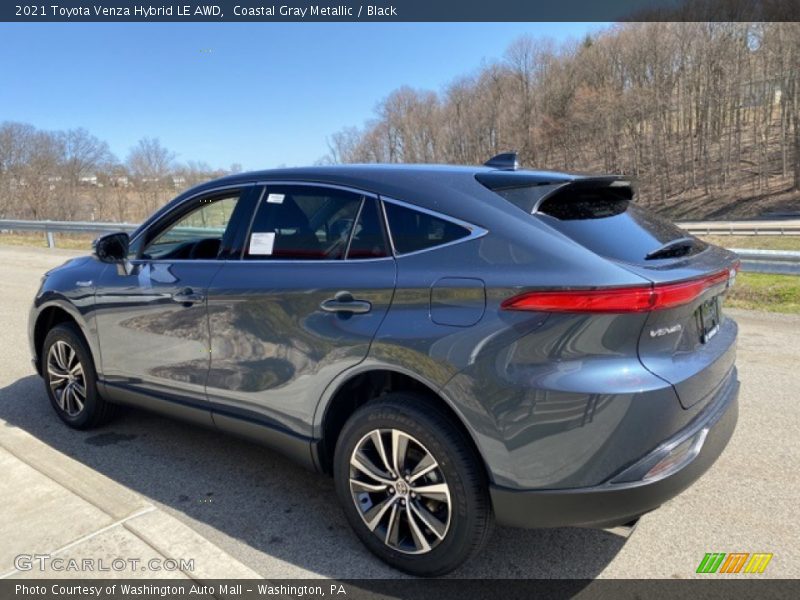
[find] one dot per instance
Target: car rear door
(151, 317)
(692, 346)
(315, 279)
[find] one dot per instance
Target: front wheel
(411, 485)
(71, 380)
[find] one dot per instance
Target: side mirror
(112, 247)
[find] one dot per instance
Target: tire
(461, 510)
(68, 369)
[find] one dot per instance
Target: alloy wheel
(400, 491)
(66, 378)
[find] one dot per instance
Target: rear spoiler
(539, 186)
(619, 185)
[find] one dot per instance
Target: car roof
(380, 174)
(449, 188)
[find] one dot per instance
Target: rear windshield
(605, 220)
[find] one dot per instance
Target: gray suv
(454, 345)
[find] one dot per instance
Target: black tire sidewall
(396, 411)
(68, 334)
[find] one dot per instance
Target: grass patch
(762, 291)
(755, 242)
(70, 241)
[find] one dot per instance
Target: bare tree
(84, 155)
(343, 146)
(150, 164)
(13, 156)
(83, 158)
(29, 166)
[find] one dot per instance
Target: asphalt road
(284, 522)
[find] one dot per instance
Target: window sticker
(275, 198)
(261, 243)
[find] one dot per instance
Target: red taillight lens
(641, 298)
(631, 299)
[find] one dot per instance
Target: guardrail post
(51, 240)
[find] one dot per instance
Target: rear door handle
(344, 302)
(187, 297)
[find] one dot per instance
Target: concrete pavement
(280, 521)
(57, 509)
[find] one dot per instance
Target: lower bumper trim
(613, 504)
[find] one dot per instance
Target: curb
(165, 534)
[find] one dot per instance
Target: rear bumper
(627, 495)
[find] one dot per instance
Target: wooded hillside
(705, 116)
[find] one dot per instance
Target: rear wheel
(71, 380)
(412, 486)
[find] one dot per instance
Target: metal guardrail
(51, 227)
(758, 261)
(740, 228)
(782, 262)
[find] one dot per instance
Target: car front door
(315, 280)
(151, 315)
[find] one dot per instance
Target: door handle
(187, 297)
(343, 302)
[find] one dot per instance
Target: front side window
(296, 222)
(412, 230)
(197, 234)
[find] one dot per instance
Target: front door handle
(187, 297)
(343, 302)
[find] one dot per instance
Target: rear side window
(605, 220)
(412, 230)
(303, 223)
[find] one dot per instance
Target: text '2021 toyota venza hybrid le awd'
(455, 345)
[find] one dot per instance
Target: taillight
(640, 298)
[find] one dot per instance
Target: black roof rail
(507, 161)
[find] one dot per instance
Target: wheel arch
(52, 314)
(358, 386)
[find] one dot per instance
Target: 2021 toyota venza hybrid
(455, 345)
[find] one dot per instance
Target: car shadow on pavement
(272, 515)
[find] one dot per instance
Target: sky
(259, 94)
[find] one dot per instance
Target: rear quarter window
(412, 230)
